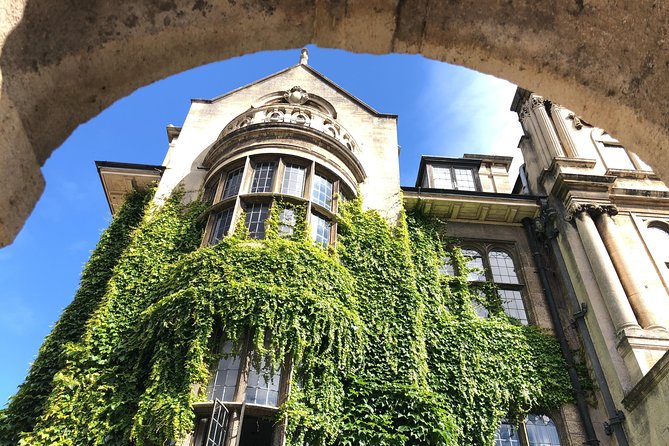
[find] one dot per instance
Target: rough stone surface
(61, 63)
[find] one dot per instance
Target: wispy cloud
(469, 113)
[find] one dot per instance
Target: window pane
(512, 301)
(616, 157)
(447, 266)
(210, 190)
(321, 192)
(464, 179)
(293, 180)
(659, 243)
(222, 222)
(260, 390)
(256, 214)
(223, 384)
(502, 268)
(475, 264)
(232, 183)
(441, 177)
(320, 230)
(506, 435)
(541, 431)
(286, 222)
(262, 177)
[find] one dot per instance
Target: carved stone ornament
(594, 210)
(524, 112)
(579, 123)
(536, 101)
(296, 96)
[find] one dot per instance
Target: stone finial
(304, 57)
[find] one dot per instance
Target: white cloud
(468, 112)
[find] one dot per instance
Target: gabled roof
(315, 73)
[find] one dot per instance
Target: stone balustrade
(291, 114)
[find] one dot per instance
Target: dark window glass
(256, 214)
(263, 177)
(232, 183)
(293, 180)
(263, 390)
(222, 222)
(502, 267)
(321, 192)
(506, 435)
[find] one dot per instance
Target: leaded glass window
(320, 230)
(233, 183)
(512, 302)
(293, 180)
(256, 214)
(507, 435)
(263, 177)
(222, 223)
(287, 222)
(441, 177)
(475, 265)
(224, 381)
(541, 431)
(464, 179)
(321, 192)
(262, 389)
(501, 266)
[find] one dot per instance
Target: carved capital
(592, 209)
(536, 101)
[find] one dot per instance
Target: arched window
(252, 185)
(492, 264)
(541, 431)
(537, 430)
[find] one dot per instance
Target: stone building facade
(574, 245)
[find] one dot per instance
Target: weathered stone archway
(63, 62)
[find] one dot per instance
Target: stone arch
(61, 63)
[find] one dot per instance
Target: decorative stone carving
(536, 101)
(594, 210)
(577, 121)
(296, 96)
(524, 112)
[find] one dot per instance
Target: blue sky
(443, 110)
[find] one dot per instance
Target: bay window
(253, 184)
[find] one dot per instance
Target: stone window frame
(245, 197)
(428, 179)
(484, 248)
(238, 408)
(523, 438)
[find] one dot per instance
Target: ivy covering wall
(386, 349)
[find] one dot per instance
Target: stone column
(546, 126)
(605, 273)
(649, 311)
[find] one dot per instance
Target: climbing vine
(385, 349)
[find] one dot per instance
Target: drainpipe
(614, 425)
(591, 436)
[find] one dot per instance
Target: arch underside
(60, 65)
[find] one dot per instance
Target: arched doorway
(62, 65)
